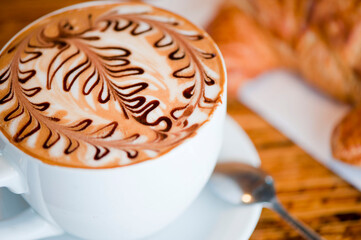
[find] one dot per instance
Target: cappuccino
(107, 85)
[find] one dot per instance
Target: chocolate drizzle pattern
(82, 99)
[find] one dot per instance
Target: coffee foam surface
(107, 85)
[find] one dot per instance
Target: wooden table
(308, 190)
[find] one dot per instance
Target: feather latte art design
(107, 86)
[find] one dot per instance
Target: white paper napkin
(301, 113)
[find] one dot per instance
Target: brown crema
(101, 86)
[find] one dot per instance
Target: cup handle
(27, 225)
(10, 177)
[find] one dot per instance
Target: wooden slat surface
(307, 189)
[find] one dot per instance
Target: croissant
(319, 39)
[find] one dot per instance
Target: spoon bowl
(240, 183)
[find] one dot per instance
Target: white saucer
(208, 218)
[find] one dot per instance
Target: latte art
(107, 85)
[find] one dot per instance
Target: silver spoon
(241, 183)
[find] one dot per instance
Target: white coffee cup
(128, 202)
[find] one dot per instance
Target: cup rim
(223, 93)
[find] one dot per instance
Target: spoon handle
(305, 231)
